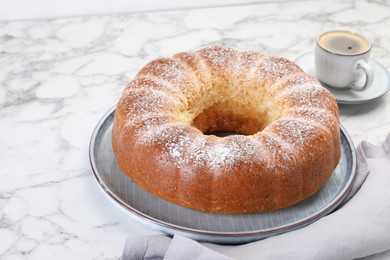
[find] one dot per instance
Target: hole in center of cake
(224, 119)
(223, 133)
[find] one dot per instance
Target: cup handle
(363, 65)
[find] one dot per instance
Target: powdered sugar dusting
(249, 63)
(224, 155)
(291, 82)
(276, 152)
(143, 101)
(306, 93)
(195, 64)
(157, 93)
(219, 57)
(150, 82)
(297, 132)
(277, 67)
(187, 149)
(165, 68)
(169, 74)
(318, 116)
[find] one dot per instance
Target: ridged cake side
(289, 150)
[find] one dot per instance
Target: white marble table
(58, 77)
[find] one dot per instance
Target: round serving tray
(227, 229)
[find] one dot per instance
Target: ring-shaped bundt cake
(286, 147)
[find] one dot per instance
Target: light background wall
(35, 9)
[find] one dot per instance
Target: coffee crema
(343, 43)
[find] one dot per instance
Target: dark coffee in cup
(344, 43)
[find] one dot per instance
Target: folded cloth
(359, 228)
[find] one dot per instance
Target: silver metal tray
(227, 229)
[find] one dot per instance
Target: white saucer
(379, 87)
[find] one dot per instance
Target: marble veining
(58, 77)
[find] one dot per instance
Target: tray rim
(205, 235)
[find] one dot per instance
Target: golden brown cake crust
(290, 148)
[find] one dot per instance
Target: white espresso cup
(341, 60)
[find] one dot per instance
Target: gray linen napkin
(359, 228)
